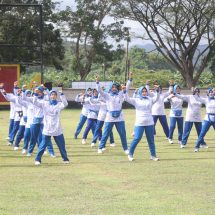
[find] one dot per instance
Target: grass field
(182, 182)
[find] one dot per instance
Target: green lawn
(182, 182)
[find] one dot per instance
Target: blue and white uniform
(176, 115)
(100, 123)
(30, 116)
(113, 117)
(52, 125)
(93, 111)
(209, 119)
(18, 114)
(193, 116)
(83, 116)
(158, 112)
(37, 126)
(144, 121)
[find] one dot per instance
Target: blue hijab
(175, 87)
(52, 101)
(27, 92)
(209, 91)
(139, 93)
(112, 93)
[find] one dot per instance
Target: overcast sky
(135, 27)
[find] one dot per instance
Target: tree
(86, 27)
(20, 26)
(177, 28)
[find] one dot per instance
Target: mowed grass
(182, 182)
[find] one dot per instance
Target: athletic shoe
(9, 143)
(75, 136)
(196, 149)
(16, 148)
(37, 163)
(7, 138)
(204, 146)
(182, 146)
(24, 151)
(126, 152)
(66, 162)
(29, 155)
(112, 144)
(84, 141)
(179, 142)
(103, 149)
(130, 158)
(93, 145)
(52, 156)
(154, 158)
(170, 141)
(100, 151)
(45, 152)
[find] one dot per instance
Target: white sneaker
(45, 153)
(52, 156)
(170, 141)
(126, 152)
(66, 162)
(204, 146)
(84, 141)
(154, 158)
(179, 142)
(130, 158)
(93, 145)
(112, 144)
(103, 149)
(37, 163)
(7, 138)
(196, 149)
(16, 148)
(29, 155)
(24, 151)
(100, 151)
(182, 146)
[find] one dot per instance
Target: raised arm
(129, 99)
(37, 102)
(183, 97)
(21, 102)
(64, 102)
(129, 82)
(99, 89)
(200, 99)
(155, 97)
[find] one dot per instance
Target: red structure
(9, 73)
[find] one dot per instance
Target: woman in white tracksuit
(52, 124)
(100, 122)
(93, 111)
(114, 99)
(30, 117)
(176, 114)
(158, 111)
(37, 126)
(209, 119)
(144, 121)
(193, 116)
(84, 111)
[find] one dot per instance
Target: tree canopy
(177, 28)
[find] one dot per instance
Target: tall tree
(85, 25)
(177, 28)
(21, 26)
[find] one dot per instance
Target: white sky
(135, 27)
